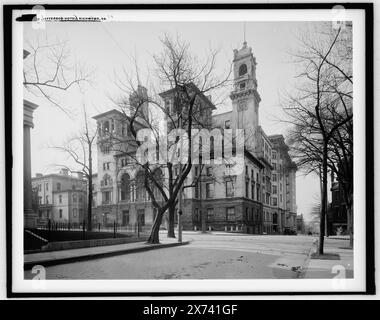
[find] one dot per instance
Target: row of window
(74, 197)
(140, 216)
(249, 215)
(58, 185)
(255, 189)
(60, 213)
(230, 214)
(229, 187)
(274, 177)
(129, 194)
(252, 215)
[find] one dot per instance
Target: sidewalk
(66, 256)
(329, 268)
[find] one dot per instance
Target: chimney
(65, 172)
(38, 175)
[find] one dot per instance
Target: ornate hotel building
(259, 200)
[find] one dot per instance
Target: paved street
(210, 256)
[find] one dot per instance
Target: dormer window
(242, 69)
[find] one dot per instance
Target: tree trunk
(89, 204)
(324, 200)
(171, 233)
(203, 219)
(89, 209)
(154, 234)
(350, 224)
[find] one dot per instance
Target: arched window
(242, 69)
(125, 187)
(140, 187)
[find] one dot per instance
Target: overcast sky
(106, 47)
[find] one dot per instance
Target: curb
(52, 262)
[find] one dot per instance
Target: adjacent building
(336, 218)
(60, 198)
(283, 187)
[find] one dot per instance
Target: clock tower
(245, 98)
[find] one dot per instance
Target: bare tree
(79, 148)
(49, 69)
(170, 112)
(319, 111)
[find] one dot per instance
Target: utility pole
(180, 215)
(203, 214)
(180, 204)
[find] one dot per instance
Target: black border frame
(369, 98)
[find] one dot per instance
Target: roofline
(106, 113)
(51, 175)
(191, 85)
(275, 136)
(221, 113)
(265, 135)
(253, 158)
(115, 111)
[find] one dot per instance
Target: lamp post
(179, 216)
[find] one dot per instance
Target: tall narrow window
(209, 190)
(210, 214)
(231, 214)
(229, 189)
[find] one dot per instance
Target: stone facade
(218, 200)
(283, 186)
(60, 198)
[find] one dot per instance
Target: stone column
(30, 217)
